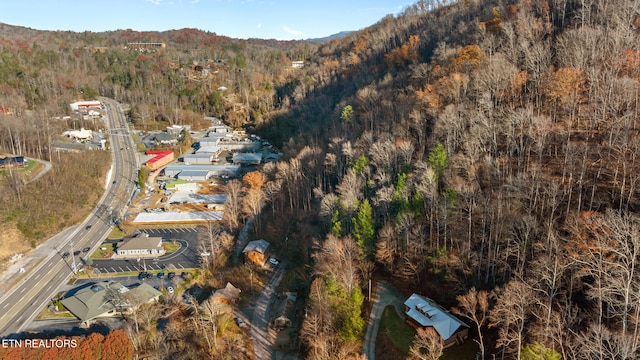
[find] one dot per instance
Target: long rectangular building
(202, 158)
(174, 170)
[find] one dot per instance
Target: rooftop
(257, 245)
(427, 312)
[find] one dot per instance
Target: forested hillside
(481, 153)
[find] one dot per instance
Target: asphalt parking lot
(187, 256)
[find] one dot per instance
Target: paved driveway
(386, 294)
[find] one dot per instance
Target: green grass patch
(103, 254)
(170, 246)
(398, 331)
(116, 233)
(47, 314)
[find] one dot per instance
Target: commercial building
(160, 158)
(174, 170)
(84, 105)
(199, 158)
(195, 175)
(209, 150)
(106, 298)
(79, 135)
(140, 245)
(178, 217)
(247, 158)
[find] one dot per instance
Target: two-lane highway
(27, 298)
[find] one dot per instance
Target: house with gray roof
(106, 298)
(256, 251)
(422, 312)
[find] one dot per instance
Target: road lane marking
(21, 301)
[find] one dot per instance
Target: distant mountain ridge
(339, 35)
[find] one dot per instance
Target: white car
(240, 322)
(274, 262)
(170, 289)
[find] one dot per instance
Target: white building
(211, 150)
(79, 135)
(140, 245)
(83, 105)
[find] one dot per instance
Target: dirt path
(386, 294)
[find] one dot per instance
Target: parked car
(161, 274)
(170, 289)
(240, 322)
(149, 275)
(171, 275)
(274, 261)
(142, 275)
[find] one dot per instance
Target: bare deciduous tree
(474, 305)
(427, 345)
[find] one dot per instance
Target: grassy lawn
(400, 334)
(170, 246)
(395, 338)
(116, 233)
(46, 314)
(103, 254)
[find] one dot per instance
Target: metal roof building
(427, 313)
(195, 175)
(186, 197)
(174, 170)
(178, 217)
(199, 158)
(247, 158)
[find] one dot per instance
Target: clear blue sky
(267, 19)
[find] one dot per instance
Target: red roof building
(161, 158)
